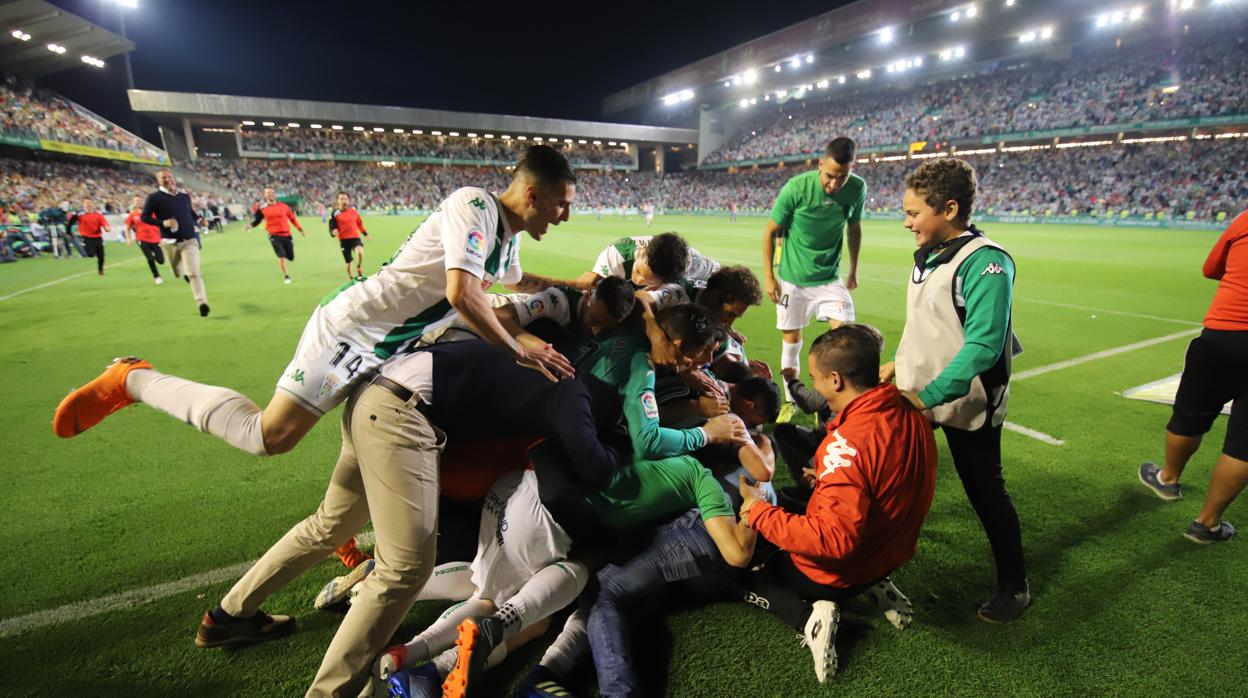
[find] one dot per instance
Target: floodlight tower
(122, 6)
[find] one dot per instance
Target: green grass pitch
(1122, 604)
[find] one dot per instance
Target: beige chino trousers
(184, 261)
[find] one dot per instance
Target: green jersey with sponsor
(650, 490)
(815, 227)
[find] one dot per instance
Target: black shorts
(153, 251)
(1215, 372)
(348, 248)
(93, 246)
(283, 246)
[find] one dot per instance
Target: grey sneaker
(1199, 533)
(1150, 475)
(1006, 605)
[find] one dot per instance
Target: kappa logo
(476, 243)
(649, 406)
(296, 375)
(838, 455)
(993, 268)
(478, 203)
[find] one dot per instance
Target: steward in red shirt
(875, 476)
(148, 237)
(345, 221)
(1215, 372)
(278, 218)
(90, 223)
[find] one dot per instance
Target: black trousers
(977, 458)
(95, 248)
(778, 587)
(154, 255)
(797, 446)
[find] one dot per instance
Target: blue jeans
(681, 550)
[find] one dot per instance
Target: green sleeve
(782, 210)
(712, 499)
(855, 216)
(987, 280)
(641, 411)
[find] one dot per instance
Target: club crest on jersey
(536, 305)
(476, 243)
(837, 455)
(327, 385)
(993, 268)
(649, 406)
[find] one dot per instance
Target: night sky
(531, 59)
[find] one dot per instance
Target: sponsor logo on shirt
(993, 268)
(478, 203)
(476, 243)
(648, 406)
(837, 455)
(296, 375)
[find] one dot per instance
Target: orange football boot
(90, 404)
(351, 555)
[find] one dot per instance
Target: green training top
(655, 489)
(815, 224)
(986, 278)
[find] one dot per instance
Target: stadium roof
(872, 35)
(32, 27)
(170, 108)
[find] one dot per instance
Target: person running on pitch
(278, 218)
(148, 237)
(346, 224)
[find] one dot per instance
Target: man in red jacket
(148, 237)
(1213, 374)
(875, 476)
(345, 221)
(278, 218)
(90, 223)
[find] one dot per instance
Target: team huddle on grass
(625, 448)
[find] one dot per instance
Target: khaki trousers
(387, 471)
(184, 261)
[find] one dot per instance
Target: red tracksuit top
(1228, 264)
(877, 475)
(277, 218)
(348, 224)
(90, 224)
(142, 231)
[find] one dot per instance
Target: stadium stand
(39, 114)
(1141, 84)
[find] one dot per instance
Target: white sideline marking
(64, 278)
(1037, 435)
(1041, 370)
(129, 599)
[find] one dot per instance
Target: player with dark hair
(816, 213)
(728, 293)
(345, 222)
(277, 218)
(956, 353)
(90, 223)
(472, 238)
(148, 237)
(650, 261)
(876, 475)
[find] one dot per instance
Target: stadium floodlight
(20, 35)
(336, 127)
(567, 140)
(1136, 13)
(750, 76)
(293, 124)
(957, 15)
(537, 139)
(489, 135)
(581, 141)
(864, 74)
(398, 130)
(1009, 3)
(471, 134)
(522, 138)
(822, 84)
(781, 93)
(810, 58)
(315, 126)
(686, 95)
(840, 79)
(93, 61)
(418, 132)
(252, 123)
(736, 80)
(886, 35)
(454, 133)
(357, 128)
(597, 142)
(778, 68)
(753, 100)
(435, 133)
(128, 4)
(505, 137)
(795, 63)
(610, 142)
(669, 100)
(267, 123)
(378, 129)
(1046, 33)
(1185, 5)
(623, 144)
(56, 48)
(971, 12)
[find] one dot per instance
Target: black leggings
(797, 446)
(94, 247)
(977, 458)
(154, 255)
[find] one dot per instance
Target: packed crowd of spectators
(1199, 78)
(36, 113)
(1202, 177)
(306, 140)
(33, 185)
